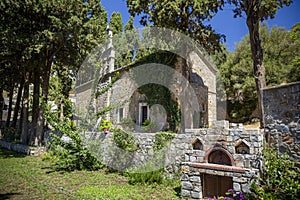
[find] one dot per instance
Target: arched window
(242, 147)
(197, 144)
(220, 156)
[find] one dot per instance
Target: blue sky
(223, 22)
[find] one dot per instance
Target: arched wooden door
(213, 185)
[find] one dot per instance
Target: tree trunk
(45, 90)
(25, 105)
(35, 107)
(253, 20)
(17, 105)
(11, 95)
(1, 109)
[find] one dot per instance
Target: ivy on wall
(158, 94)
(162, 139)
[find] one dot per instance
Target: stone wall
(189, 154)
(20, 148)
(282, 109)
(242, 145)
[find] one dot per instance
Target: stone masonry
(282, 109)
(190, 155)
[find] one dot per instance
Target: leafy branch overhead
(188, 17)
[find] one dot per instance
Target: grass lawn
(28, 177)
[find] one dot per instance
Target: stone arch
(219, 155)
(197, 144)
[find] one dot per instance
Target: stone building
(126, 102)
(210, 160)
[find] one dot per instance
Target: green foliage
(127, 124)
(11, 134)
(116, 23)
(148, 174)
(105, 124)
(267, 8)
(185, 16)
(126, 44)
(69, 155)
(125, 140)
(19, 168)
(158, 94)
(295, 71)
(162, 139)
(52, 37)
(109, 108)
(103, 90)
(153, 176)
(149, 126)
(280, 50)
(279, 180)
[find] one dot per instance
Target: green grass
(28, 177)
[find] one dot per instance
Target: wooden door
(215, 186)
(144, 113)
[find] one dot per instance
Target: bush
(69, 155)
(124, 140)
(280, 178)
(11, 134)
(105, 125)
(146, 175)
(149, 126)
(162, 139)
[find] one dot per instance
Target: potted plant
(105, 125)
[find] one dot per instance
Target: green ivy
(162, 139)
(149, 126)
(125, 140)
(113, 80)
(158, 94)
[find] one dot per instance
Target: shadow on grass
(177, 191)
(9, 195)
(5, 153)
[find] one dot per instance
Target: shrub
(11, 134)
(146, 175)
(162, 139)
(69, 155)
(280, 178)
(124, 140)
(105, 124)
(149, 126)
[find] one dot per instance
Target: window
(242, 147)
(197, 144)
(120, 114)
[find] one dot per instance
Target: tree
(295, 71)
(185, 16)
(257, 11)
(44, 33)
(116, 23)
(279, 52)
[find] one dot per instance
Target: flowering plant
(231, 195)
